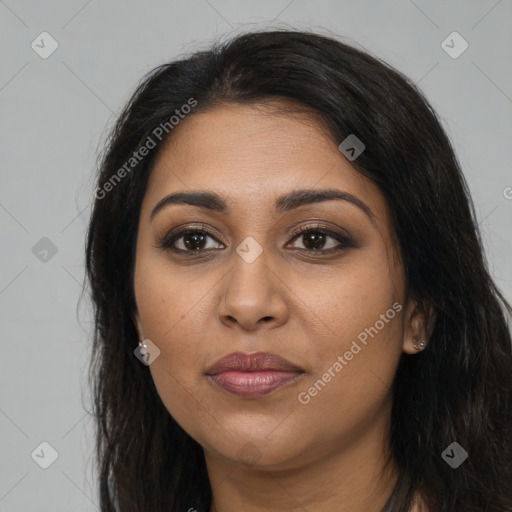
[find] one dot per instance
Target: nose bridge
(251, 276)
(252, 290)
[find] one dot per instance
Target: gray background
(55, 113)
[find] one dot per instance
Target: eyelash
(167, 241)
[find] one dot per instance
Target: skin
(328, 454)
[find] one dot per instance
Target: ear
(138, 325)
(419, 320)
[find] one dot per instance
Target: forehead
(250, 155)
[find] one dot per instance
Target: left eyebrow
(284, 203)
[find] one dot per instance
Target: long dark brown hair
(459, 389)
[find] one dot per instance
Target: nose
(253, 295)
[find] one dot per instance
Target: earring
(419, 345)
(144, 352)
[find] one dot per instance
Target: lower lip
(253, 384)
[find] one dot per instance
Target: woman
(292, 306)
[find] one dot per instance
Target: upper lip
(243, 362)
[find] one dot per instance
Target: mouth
(253, 375)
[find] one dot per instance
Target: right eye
(192, 241)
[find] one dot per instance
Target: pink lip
(252, 384)
(252, 375)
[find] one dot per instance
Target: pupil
(316, 240)
(197, 239)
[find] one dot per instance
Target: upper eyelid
(296, 232)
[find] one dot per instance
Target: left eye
(315, 239)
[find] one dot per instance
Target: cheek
(356, 301)
(358, 357)
(172, 308)
(170, 300)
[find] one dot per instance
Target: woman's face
(330, 302)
